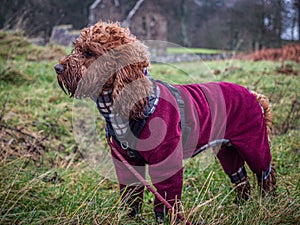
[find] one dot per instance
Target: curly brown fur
(268, 186)
(107, 56)
(264, 101)
(243, 191)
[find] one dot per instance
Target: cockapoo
(157, 124)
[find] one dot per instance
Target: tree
(37, 17)
(297, 6)
(224, 24)
(184, 34)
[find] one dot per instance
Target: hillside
(47, 176)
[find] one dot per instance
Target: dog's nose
(59, 68)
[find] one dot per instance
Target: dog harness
(123, 131)
(118, 126)
(120, 129)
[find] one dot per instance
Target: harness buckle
(124, 145)
(131, 153)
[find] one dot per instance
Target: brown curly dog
(157, 124)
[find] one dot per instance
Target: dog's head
(105, 56)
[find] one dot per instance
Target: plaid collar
(104, 103)
(119, 124)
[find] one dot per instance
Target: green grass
(194, 50)
(46, 176)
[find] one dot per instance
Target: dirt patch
(17, 142)
(287, 69)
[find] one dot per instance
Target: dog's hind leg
(266, 180)
(233, 165)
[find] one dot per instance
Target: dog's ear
(130, 61)
(130, 92)
(130, 86)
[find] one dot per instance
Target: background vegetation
(218, 24)
(45, 178)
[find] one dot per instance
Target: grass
(46, 176)
(193, 50)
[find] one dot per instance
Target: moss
(15, 46)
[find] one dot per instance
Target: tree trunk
(185, 38)
(298, 6)
(278, 22)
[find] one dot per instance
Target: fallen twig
(3, 107)
(17, 130)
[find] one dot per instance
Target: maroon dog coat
(217, 110)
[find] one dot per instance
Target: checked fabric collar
(119, 124)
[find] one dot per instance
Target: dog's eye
(89, 53)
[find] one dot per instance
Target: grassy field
(47, 178)
(194, 50)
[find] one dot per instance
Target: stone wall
(64, 35)
(184, 57)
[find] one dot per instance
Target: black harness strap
(185, 130)
(128, 143)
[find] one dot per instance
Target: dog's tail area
(264, 102)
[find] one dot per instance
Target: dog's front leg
(166, 172)
(170, 189)
(131, 189)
